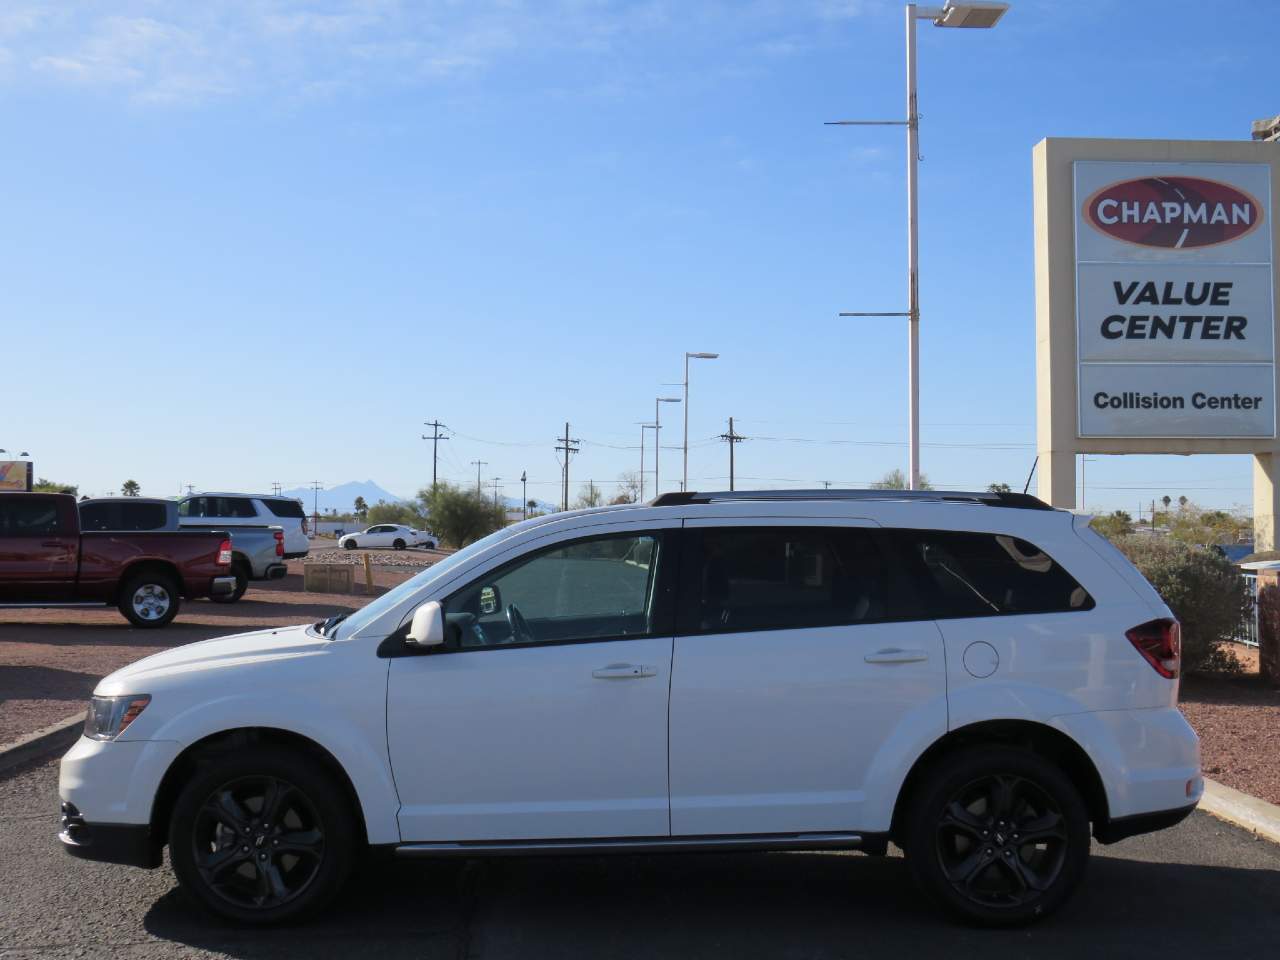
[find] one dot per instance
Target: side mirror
(427, 627)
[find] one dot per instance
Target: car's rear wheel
(262, 836)
(149, 599)
(398, 544)
(998, 835)
(240, 570)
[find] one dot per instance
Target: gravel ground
(383, 558)
(1201, 889)
(1238, 719)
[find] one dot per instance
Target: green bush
(1204, 590)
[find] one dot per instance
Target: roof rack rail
(1022, 501)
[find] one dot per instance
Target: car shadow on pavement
(766, 905)
(121, 634)
(31, 682)
(247, 609)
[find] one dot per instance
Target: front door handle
(896, 656)
(624, 671)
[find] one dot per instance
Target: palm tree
(1182, 503)
(1166, 500)
(361, 509)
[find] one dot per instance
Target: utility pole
(732, 439)
(826, 484)
(478, 464)
(524, 493)
(275, 487)
(495, 492)
(435, 438)
(568, 447)
(190, 489)
(316, 487)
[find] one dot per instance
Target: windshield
(391, 598)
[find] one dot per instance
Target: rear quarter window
(286, 508)
(985, 574)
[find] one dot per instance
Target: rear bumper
(222, 586)
(1124, 827)
(275, 571)
(126, 843)
(296, 556)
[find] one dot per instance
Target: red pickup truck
(46, 561)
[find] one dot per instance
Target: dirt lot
(1238, 719)
(50, 660)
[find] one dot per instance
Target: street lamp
(970, 15)
(684, 482)
(657, 437)
(22, 454)
(643, 428)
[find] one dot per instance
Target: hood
(242, 649)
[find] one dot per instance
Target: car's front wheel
(998, 835)
(348, 544)
(261, 836)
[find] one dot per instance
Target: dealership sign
(15, 474)
(1174, 301)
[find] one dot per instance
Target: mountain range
(342, 497)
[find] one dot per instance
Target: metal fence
(1248, 630)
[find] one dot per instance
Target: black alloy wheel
(262, 834)
(997, 834)
(1001, 840)
(258, 842)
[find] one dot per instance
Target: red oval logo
(1173, 212)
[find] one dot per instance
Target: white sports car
(394, 535)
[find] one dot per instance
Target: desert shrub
(1204, 590)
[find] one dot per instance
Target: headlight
(109, 717)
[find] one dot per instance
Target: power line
(478, 464)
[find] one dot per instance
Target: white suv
(980, 679)
(231, 510)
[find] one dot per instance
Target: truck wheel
(998, 835)
(398, 544)
(149, 599)
(240, 570)
(262, 835)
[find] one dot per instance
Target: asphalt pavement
(1202, 889)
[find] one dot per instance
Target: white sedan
(394, 535)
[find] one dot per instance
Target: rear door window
(738, 579)
(237, 508)
(123, 516)
(985, 574)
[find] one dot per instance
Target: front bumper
(126, 843)
(222, 586)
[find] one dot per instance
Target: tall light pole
(972, 14)
(643, 428)
(657, 437)
(684, 481)
(524, 493)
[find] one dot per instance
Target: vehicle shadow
(31, 682)
(247, 608)
(749, 905)
(120, 634)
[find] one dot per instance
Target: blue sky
(263, 241)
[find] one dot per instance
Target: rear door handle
(624, 671)
(896, 656)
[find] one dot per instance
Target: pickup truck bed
(45, 560)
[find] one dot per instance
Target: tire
(149, 599)
(348, 544)
(241, 572)
(397, 544)
(258, 883)
(967, 836)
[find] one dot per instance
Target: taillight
(1160, 643)
(224, 554)
(279, 543)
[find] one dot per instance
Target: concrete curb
(51, 739)
(1233, 806)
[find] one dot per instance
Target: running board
(505, 848)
